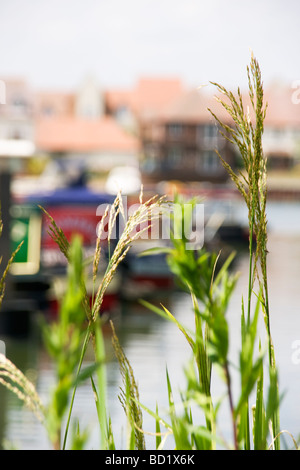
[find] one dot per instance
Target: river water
(153, 344)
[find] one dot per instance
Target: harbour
(152, 344)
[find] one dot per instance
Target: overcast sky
(56, 43)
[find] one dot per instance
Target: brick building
(180, 142)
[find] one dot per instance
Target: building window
(19, 104)
(210, 131)
(211, 162)
(149, 165)
(174, 157)
(175, 130)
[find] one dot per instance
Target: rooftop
(82, 135)
(150, 95)
(192, 107)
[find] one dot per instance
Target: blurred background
(99, 96)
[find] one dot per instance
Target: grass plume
(141, 215)
(129, 396)
(15, 381)
(246, 134)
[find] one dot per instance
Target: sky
(55, 44)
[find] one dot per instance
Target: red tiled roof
(79, 135)
(283, 110)
(117, 98)
(150, 95)
(192, 107)
(156, 94)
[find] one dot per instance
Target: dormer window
(19, 103)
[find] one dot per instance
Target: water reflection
(148, 342)
(151, 344)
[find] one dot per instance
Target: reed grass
(94, 328)
(129, 396)
(14, 380)
(210, 286)
(246, 134)
(210, 295)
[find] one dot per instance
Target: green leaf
(218, 343)
(273, 401)
(260, 424)
(85, 373)
(155, 251)
(154, 415)
(164, 312)
(203, 438)
(101, 381)
(249, 382)
(224, 268)
(179, 425)
(79, 438)
(157, 429)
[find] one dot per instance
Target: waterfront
(151, 344)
